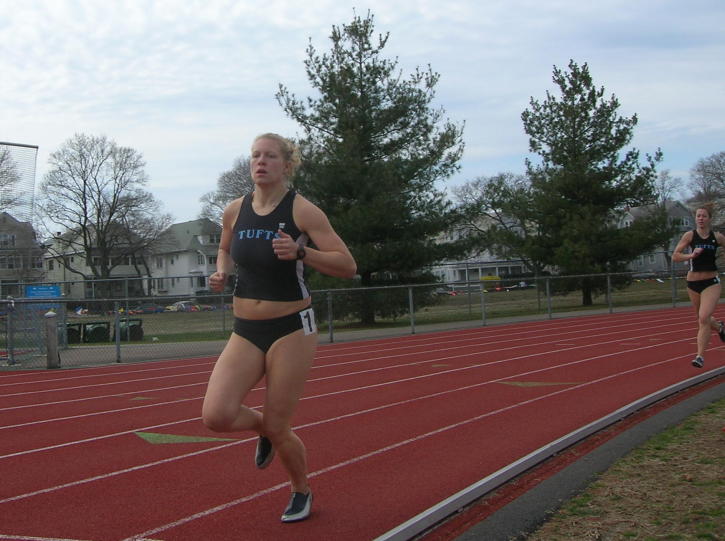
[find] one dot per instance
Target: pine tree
(582, 183)
(373, 150)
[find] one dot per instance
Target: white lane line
(382, 450)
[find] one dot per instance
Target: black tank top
(706, 260)
(260, 274)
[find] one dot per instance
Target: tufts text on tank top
(252, 234)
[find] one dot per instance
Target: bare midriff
(259, 309)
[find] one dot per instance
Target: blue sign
(44, 292)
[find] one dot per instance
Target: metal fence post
(483, 304)
(51, 340)
(117, 328)
(223, 311)
(330, 325)
(411, 309)
(11, 331)
(548, 297)
(609, 292)
(673, 278)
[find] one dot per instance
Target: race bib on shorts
(308, 321)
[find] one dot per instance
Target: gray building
(21, 255)
(658, 260)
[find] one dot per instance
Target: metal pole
(117, 327)
(548, 297)
(224, 312)
(51, 340)
(674, 284)
(11, 331)
(128, 322)
(330, 325)
(609, 292)
(411, 309)
(468, 292)
(483, 304)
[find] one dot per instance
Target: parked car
(149, 308)
(182, 306)
(448, 290)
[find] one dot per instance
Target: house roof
(184, 236)
(8, 219)
(672, 207)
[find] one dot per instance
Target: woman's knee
(218, 419)
(276, 429)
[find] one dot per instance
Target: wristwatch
(301, 253)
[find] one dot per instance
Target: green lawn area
(217, 324)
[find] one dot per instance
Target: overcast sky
(189, 83)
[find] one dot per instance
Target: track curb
(532, 508)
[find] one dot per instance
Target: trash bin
(131, 329)
(73, 333)
(97, 332)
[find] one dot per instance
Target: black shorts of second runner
(698, 286)
(265, 332)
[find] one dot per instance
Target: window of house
(9, 263)
(7, 240)
(51, 264)
(212, 260)
(215, 238)
(200, 259)
(201, 281)
(159, 262)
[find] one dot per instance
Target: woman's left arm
(720, 239)
(330, 255)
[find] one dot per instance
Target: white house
(658, 260)
(179, 265)
(187, 256)
(483, 264)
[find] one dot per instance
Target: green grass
(669, 488)
(216, 325)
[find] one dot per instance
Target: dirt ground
(673, 487)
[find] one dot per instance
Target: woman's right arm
(224, 261)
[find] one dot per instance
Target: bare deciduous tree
(93, 193)
(707, 181)
(231, 185)
(8, 180)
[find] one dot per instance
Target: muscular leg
(238, 369)
(288, 363)
(704, 304)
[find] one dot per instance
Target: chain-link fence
(101, 331)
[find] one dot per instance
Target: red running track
(392, 428)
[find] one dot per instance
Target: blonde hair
(290, 151)
(707, 207)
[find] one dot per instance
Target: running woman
(265, 236)
(703, 283)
